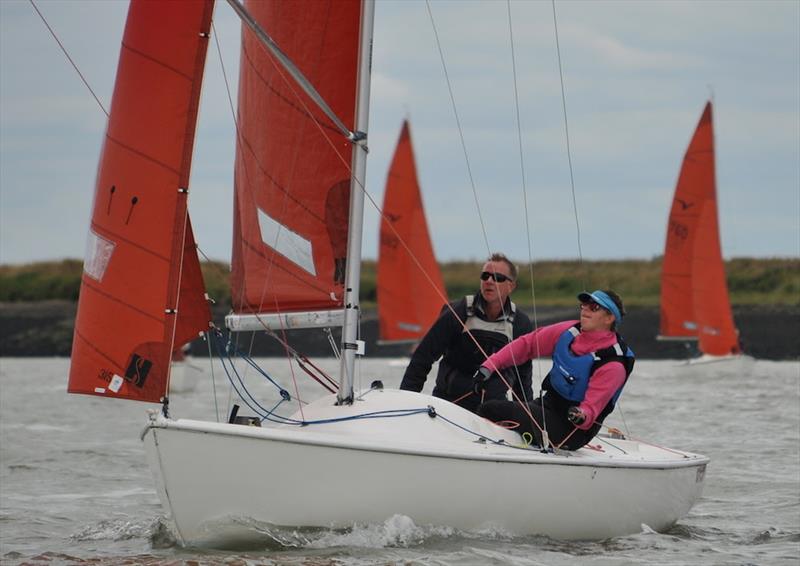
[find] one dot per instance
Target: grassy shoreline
(751, 281)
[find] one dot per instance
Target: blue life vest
(570, 374)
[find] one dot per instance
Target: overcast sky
(636, 77)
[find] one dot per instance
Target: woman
(591, 364)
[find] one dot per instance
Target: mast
(350, 343)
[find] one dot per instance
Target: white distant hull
(184, 376)
(215, 479)
(732, 363)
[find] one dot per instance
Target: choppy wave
(85, 495)
(117, 529)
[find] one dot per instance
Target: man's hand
(480, 379)
(576, 416)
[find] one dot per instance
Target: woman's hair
(617, 301)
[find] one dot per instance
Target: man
(468, 331)
(591, 364)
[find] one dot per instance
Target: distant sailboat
(694, 294)
(408, 300)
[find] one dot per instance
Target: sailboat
(304, 86)
(695, 305)
(410, 289)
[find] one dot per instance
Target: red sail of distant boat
(694, 293)
(408, 301)
(716, 332)
(142, 294)
(290, 219)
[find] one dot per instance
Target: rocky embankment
(772, 332)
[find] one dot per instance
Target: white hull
(216, 479)
(184, 376)
(730, 364)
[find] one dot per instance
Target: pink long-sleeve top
(542, 342)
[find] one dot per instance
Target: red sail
(292, 179)
(695, 186)
(712, 307)
(694, 293)
(408, 302)
(142, 291)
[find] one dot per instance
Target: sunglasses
(592, 306)
(498, 277)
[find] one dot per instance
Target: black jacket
(460, 357)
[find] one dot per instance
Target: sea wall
(45, 329)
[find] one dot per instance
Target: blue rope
(230, 347)
(224, 352)
(248, 399)
(375, 415)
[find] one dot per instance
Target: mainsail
(694, 294)
(410, 294)
(142, 294)
(291, 220)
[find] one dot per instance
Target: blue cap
(602, 299)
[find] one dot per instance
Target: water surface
(75, 487)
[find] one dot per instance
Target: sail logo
(678, 229)
(389, 240)
(137, 371)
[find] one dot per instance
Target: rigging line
(302, 359)
(471, 177)
(622, 415)
(250, 361)
(213, 378)
(265, 413)
(286, 347)
(230, 379)
(293, 353)
(256, 367)
(238, 136)
(528, 230)
(291, 68)
(239, 140)
(63, 49)
(566, 133)
(484, 438)
(475, 196)
(215, 265)
(460, 131)
(524, 188)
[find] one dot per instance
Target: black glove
(480, 379)
(576, 416)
